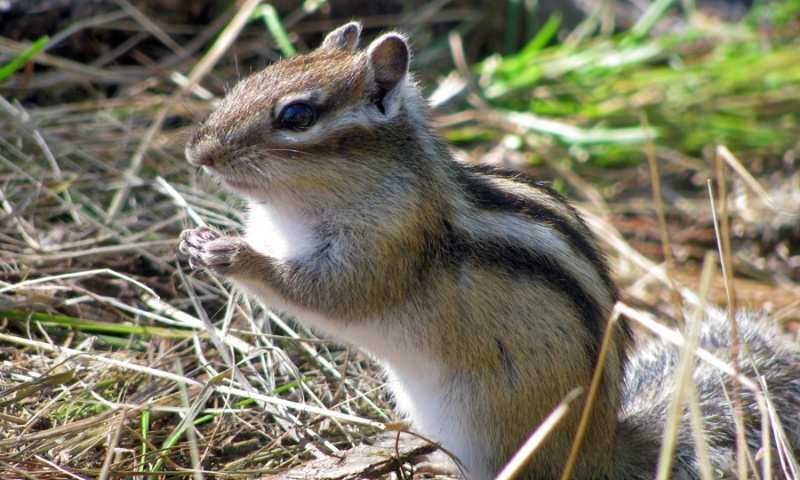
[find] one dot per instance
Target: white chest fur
(279, 231)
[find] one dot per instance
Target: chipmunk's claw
(209, 248)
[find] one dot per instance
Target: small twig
(594, 388)
(746, 176)
(683, 385)
(666, 244)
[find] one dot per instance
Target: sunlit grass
(737, 85)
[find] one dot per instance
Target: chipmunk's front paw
(209, 248)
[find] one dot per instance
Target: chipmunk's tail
(765, 351)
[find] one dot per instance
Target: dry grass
(117, 360)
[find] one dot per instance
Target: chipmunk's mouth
(234, 183)
(238, 186)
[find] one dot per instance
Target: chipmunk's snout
(198, 159)
(199, 153)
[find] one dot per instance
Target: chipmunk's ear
(344, 37)
(388, 60)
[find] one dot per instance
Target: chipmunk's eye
(297, 116)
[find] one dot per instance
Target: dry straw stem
(684, 388)
(594, 388)
(539, 436)
(658, 198)
(722, 233)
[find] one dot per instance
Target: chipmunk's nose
(199, 153)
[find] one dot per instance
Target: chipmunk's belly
(425, 394)
(436, 405)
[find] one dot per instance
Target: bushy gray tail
(650, 383)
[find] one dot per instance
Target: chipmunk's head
(295, 123)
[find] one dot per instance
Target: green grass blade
(12, 66)
(273, 23)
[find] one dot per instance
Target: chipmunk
(481, 292)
